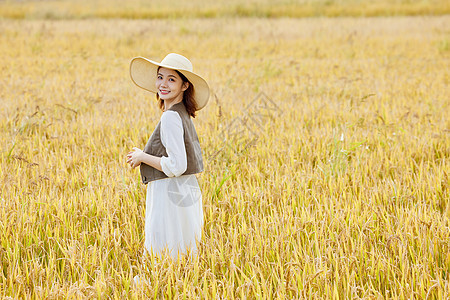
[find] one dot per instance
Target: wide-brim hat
(143, 72)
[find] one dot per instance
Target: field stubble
(343, 193)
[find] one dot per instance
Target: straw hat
(143, 74)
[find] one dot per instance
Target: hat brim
(143, 73)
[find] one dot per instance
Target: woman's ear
(185, 86)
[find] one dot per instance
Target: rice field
(142, 9)
(326, 145)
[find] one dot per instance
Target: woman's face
(169, 84)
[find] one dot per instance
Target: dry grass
(343, 195)
(142, 9)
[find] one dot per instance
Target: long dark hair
(188, 96)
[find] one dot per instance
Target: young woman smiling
(172, 156)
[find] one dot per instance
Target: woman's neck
(168, 105)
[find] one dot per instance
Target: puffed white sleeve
(172, 138)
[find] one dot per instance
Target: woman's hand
(134, 158)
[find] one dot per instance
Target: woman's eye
(159, 77)
(171, 79)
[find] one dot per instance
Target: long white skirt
(174, 215)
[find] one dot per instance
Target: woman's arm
(172, 137)
(137, 156)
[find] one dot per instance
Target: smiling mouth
(164, 92)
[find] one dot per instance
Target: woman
(172, 156)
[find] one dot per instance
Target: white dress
(174, 215)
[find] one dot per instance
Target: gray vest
(155, 147)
